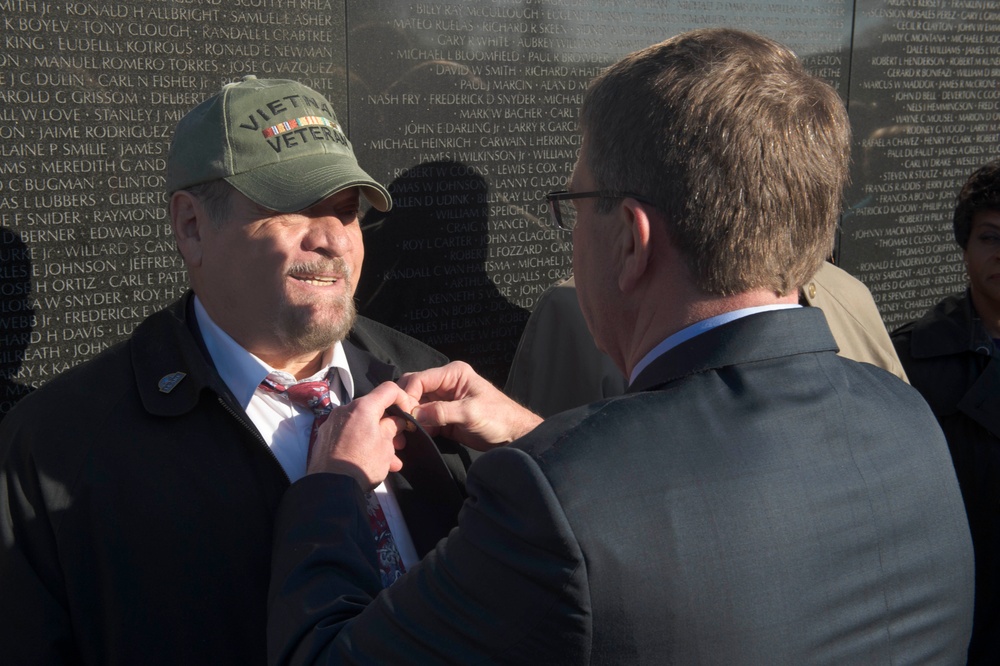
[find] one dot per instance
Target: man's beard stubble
(307, 333)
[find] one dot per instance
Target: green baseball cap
(276, 141)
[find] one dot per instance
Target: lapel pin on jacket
(169, 382)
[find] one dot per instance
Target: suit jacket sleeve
(508, 585)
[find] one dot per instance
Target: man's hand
(461, 405)
(360, 440)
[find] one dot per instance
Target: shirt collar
(700, 327)
(243, 372)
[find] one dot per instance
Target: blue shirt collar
(698, 328)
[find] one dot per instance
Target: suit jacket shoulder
(735, 469)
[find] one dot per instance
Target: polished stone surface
(924, 102)
(467, 111)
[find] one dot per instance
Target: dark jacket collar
(167, 352)
(970, 383)
(950, 327)
(371, 364)
(172, 366)
(758, 337)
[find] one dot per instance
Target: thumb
(436, 414)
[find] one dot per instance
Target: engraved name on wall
(925, 110)
(469, 110)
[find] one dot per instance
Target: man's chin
(313, 333)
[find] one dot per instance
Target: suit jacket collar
(757, 337)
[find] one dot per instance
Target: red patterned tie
(315, 396)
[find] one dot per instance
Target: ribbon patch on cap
(295, 123)
(169, 382)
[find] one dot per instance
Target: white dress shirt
(284, 426)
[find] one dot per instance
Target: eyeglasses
(564, 213)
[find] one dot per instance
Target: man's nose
(329, 234)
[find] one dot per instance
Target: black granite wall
(467, 111)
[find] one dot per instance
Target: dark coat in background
(951, 359)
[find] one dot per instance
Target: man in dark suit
(138, 491)
(754, 498)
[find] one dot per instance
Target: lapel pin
(169, 382)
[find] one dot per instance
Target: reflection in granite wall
(494, 88)
(924, 106)
(18, 316)
(467, 110)
(432, 270)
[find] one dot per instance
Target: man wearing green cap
(137, 491)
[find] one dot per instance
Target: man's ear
(186, 219)
(637, 245)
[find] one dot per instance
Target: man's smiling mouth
(319, 280)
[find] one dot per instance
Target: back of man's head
(743, 150)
